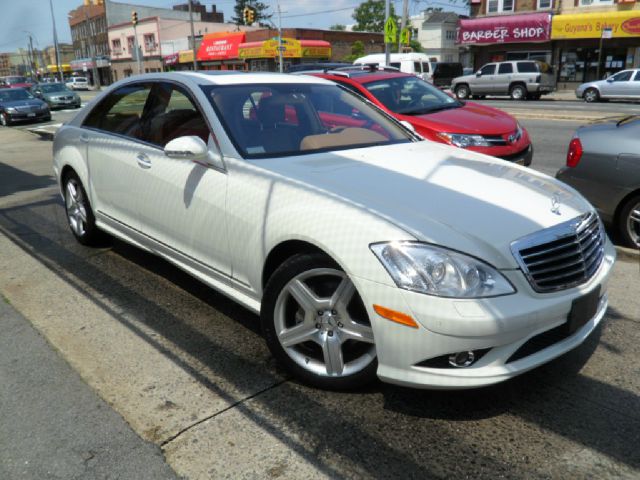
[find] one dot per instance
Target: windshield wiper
(439, 108)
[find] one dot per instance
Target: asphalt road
(188, 369)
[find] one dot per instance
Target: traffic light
(134, 18)
(251, 16)
(245, 15)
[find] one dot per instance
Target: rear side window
(426, 67)
(121, 112)
(395, 65)
(505, 68)
(527, 67)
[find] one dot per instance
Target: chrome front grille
(562, 256)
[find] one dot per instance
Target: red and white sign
(534, 27)
(220, 46)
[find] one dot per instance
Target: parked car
(623, 85)
(364, 248)
(445, 72)
(78, 83)
(57, 95)
(603, 163)
(316, 66)
(521, 79)
(17, 104)
(15, 81)
(437, 116)
(413, 63)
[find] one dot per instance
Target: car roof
(363, 76)
(230, 77)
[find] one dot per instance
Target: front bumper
(28, 116)
(501, 328)
(64, 103)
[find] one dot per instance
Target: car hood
(465, 78)
(32, 102)
(440, 194)
(470, 118)
(61, 93)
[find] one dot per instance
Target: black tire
(478, 97)
(629, 222)
(518, 92)
(591, 95)
(462, 91)
(306, 357)
(5, 121)
(79, 213)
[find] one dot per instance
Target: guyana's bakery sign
(591, 25)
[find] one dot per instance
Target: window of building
(450, 35)
(495, 6)
(544, 4)
(130, 45)
(595, 3)
(149, 42)
(116, 46)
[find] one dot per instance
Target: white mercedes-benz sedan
(365, 249)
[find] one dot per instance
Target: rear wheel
(462, 92)
(629, 222)
(4, 120)
(316, 325)
(591, 95)
(518, 92)
(79, 213)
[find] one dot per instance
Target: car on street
(414, 63)
(77, 83)
(365, 249)
(603, 164)
(436, 115)
(519, 79)
(57, 95)
(624, 85)
(19, 105)
(15, 81)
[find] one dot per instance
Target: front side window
(623, 76)
(11, 95)
(410, 96)
(271, 120)
(121, 112)
(488, 69)
(637, 77)
(505, 68)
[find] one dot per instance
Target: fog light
(462, 359)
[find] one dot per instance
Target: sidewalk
(53, 425)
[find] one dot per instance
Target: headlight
(439, 271)
(11, 110)
(464, 141)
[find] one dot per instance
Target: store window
(581, 64)
(495, 6)
(541, 55)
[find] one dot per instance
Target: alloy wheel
(76, 211)
(633, 224)
(322, 324)
(591, 95)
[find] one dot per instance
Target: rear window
(527, 67)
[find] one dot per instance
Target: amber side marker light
(398, 317)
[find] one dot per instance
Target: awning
(534, 27)
(220, 46)
(590, 25)
(170, 59)
(54, 68)
(291, 48)
(185, 56)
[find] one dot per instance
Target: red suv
(438, 116)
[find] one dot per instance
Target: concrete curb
(628, 254)
(45, 133)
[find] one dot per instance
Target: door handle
(143, 161)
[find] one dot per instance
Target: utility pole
(403, 22)
(55, 43)
(92, 51)
(32, 56)
(280, 47)
(387, 50)
(136, 47)
(193, 38)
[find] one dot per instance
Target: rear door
(504, 78)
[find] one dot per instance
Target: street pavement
(189, 372)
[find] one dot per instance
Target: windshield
(14, 80)
(410, 95)
(14, 94)
(53, 87)
(268, 120)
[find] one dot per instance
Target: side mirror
(610, 79)
(188, 148)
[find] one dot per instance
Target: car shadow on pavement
(377, 432)
(16, 180)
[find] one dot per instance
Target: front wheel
(591, 95)
(79, 213)
(316, 325)
(4, 120)
(629, 222)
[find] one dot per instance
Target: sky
(19, 18)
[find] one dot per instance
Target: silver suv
(520, 79)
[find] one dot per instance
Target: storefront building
(264, 56)
(577, 38)
(513, 37)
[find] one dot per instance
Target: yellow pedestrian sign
(390, 31)
(405, 36)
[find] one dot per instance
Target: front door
(485, 83)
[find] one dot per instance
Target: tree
(369, 16)
(357, 51)
(259, 7)
(339, 27)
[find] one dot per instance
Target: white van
(415, 63)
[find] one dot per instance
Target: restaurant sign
(592, 25)
(504, 29)
(220, 46)
(269, 49)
